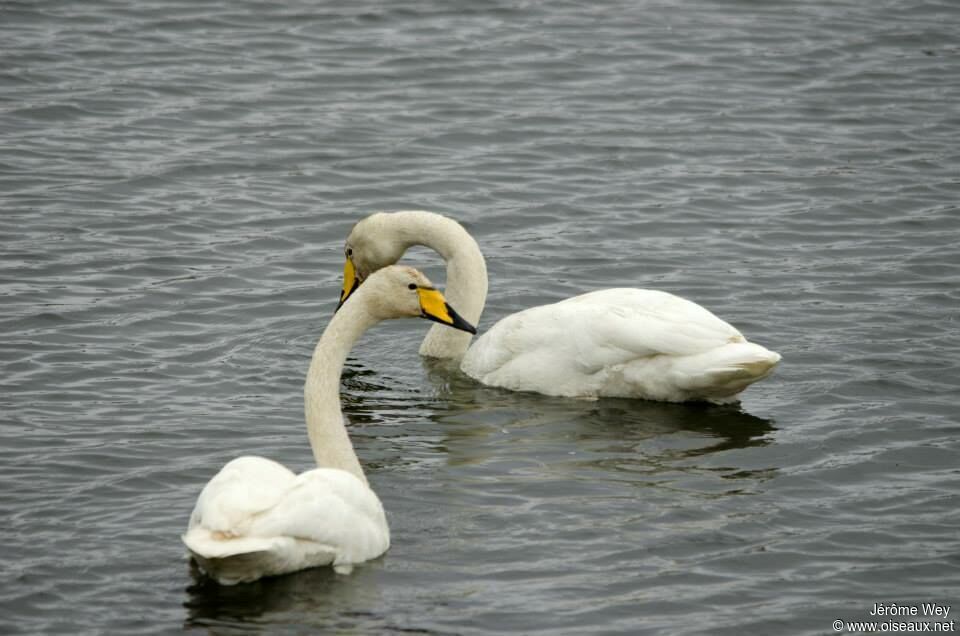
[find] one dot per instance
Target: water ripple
(177, 182)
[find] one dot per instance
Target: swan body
(633, 343)
(257, 518)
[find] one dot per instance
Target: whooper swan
(256, 518)
(634, 343)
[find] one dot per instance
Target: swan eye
(412, 286)
(349, 251)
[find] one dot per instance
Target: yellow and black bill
(433, 306)
(350, 283)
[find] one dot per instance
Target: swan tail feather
(720, 374)
(217, 545)
(232, 560)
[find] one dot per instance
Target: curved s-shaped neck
(466, 287)
(325, 426)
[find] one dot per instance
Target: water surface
(176, 183)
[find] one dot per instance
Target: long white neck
(466, 288)
(325, 427)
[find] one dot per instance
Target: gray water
(176, 182)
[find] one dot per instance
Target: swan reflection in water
(672, 431)
(314, 598)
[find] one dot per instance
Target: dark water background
(177, 179)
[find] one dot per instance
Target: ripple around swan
(176, 184)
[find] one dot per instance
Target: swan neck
(329, 439)
(466, 288)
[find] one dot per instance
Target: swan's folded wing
(332, 508)
(243, 489)
(596, 330)
(626, 324)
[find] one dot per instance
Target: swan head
(398, 291)
(370, 246)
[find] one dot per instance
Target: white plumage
(633, 343)
(257, 518)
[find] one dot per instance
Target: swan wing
(633, 323)
(603, 327)
(243, 489)
(580, 346)
(328, 506)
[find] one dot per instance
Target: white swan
(633, 343)
(256, 518)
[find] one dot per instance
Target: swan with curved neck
(623, 342)
(256, 518)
